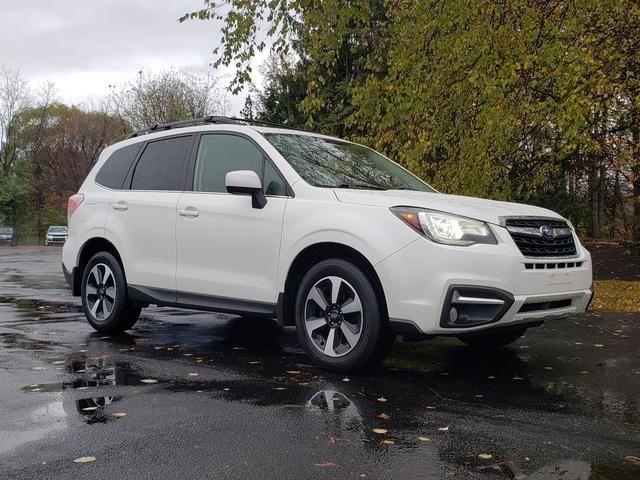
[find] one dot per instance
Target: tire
(362, 317)
(114, 313)
(493, 340)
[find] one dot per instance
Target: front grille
(541, 237)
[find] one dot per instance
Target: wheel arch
(88, 250)
(313, 254)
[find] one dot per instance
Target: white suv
(321, 233)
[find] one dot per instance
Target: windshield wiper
(361, 186)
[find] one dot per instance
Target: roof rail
(158, 127)
(220, 120)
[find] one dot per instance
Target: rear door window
(116, 168)
(163, 165)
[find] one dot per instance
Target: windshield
(325, 162)
(57, 229)
(6, 230)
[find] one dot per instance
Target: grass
(616, 296)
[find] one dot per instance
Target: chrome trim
(457, 298)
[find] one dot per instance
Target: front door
(227, 250)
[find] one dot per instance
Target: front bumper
(417, 281)
(56, 240)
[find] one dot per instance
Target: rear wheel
(339, 317)
(104, 295)
(492, 340)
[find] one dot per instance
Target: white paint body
(235, 251)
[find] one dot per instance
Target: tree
(15, 98)
(499, 99)
(166, 97)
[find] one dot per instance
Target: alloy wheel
(333, 316)
(100, 291)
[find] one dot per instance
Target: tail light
(74, 203)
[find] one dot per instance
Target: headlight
(446, 228)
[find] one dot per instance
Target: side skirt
(196, 301)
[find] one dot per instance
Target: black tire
(375, 339)
(124, 313)
(492, 340)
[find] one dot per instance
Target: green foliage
(498, 99)
(14, 196)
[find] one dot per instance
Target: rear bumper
(71, 276)
(419, 281)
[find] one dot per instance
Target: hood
(479, 208)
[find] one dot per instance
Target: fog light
(453, 314)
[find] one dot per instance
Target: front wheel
(339, 317)
(492, 340)
(104, 295)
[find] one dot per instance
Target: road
(201, 395)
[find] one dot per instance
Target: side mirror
(246, 182)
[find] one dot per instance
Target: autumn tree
(166, 97)
(532, 101)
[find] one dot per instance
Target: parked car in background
(8, 236)
(56, 235)
(323, 234)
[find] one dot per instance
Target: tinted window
(163, 165)
(115, 169)
(220, 154)
(273, 183)
(325, 162)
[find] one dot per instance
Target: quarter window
(116, 168)
(163, 165)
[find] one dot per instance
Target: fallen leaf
(388, 442)
(485, 456)
(584, 372)
(83, 351)
(598, 345)
(58, 362)
(254, 363)
(577, 343)
(294, 372)
(548, 368)
(384, 416)
(238, 348)
(187, 354)
(149, 380)
(193, 374)
(424, 439)
(517, 377)
(89, 409)
(429, 407)
(632, 459)
(279, 388)
(39, 368)
(158, 348)
(479, 396)
(382, 399)
(380, 431)
(443, 429)
(325, 464)
(84, 460)
(491, 377)
(119, 414)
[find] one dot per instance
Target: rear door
(227, 250)
(142, 216)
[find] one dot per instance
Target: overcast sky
(85, 45)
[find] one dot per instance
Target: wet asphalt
(201, 395)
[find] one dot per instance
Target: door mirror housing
(246, 182)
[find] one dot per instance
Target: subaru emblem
(547, 232)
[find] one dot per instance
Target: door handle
(120, 206)
(189, 212)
